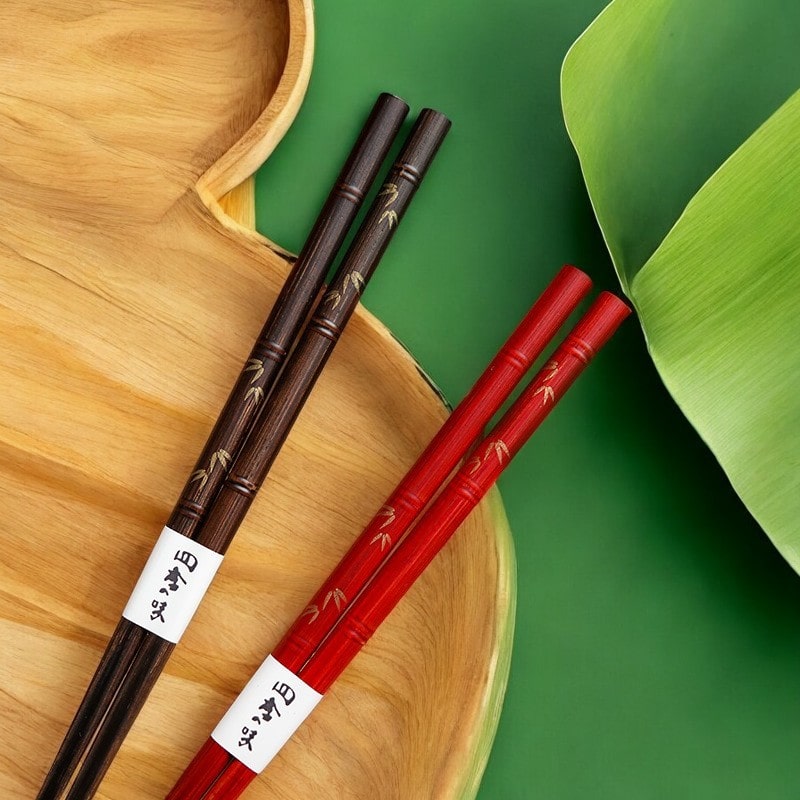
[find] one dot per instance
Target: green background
(657, 639)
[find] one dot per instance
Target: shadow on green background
(657, 637)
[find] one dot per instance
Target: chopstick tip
(389, 98)
(612, 306)
(599, 323)
(573, 273)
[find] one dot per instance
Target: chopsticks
(279, 697)
(256, 456)
(437, 461)
(243, 409)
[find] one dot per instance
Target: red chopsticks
(291, 682)
(464, 492)
(436, 462)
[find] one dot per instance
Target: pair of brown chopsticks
(390, 554)
(252, 427)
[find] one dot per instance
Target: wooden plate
(128, 300)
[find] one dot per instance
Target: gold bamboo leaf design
(337, 595)
(255, 365)
(256, 392)
(473, 464)
(548, 394)
(391, 216)
(546, 391)
(199, 475)
(312, 612)
(332, 297)
(357, 279)
(383, 538)
(500, 449)
(221, 456)
(388, 512)
(389, 190)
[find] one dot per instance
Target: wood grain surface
(128, 300)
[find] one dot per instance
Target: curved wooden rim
(468, 757)
(480, 746)
(255, 146)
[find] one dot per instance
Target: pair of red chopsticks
(385, 560)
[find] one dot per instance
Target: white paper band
(172, 584)
(265, 715)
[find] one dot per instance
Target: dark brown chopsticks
(245, 403)
(249, 468)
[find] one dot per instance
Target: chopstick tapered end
(600, 322)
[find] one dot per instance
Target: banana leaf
(687, 126)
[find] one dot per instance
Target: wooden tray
(128, 300)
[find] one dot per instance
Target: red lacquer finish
(214, 774)
(207, 766)
(464, 492)
(212, 771)
(431, 469)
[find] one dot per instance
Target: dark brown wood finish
(290, 311)
(123, 708)
(324, 330)
(282, 409)
(242, 408)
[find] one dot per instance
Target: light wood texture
(128, 299)
(240, 203)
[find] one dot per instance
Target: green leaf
(657, 95)
(720, 305)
